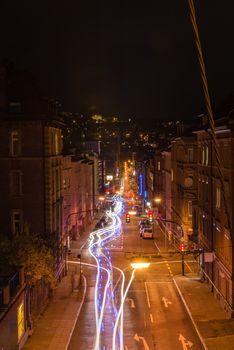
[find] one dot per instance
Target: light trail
(97, 241)
(120, 312)
(98, 249)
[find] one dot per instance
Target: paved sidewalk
(213, 323)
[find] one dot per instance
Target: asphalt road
(154, 315)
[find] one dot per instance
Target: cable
(192, 15)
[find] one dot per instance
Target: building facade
(183, 181)
(213, 223)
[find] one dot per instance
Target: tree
(32, 253)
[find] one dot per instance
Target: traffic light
(150, 216)
(182, 247)
(128, 218)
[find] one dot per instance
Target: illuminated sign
(20, 320)
(141, 185)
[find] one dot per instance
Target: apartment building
(183, 180)
(213, 223)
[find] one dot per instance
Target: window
(15, 107)
(206, 155)
(218, 197)
(159, 165)
(16, 183)
(17, 221)
(21, 321)
(190, 208)
(203, 155)
(190, 155)
(56, 143)
(15, 143)
(172, 175)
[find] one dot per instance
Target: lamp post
(140, 263)
(182, 246)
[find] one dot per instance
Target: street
(154, 315)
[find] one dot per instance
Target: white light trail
(120, 312)
(98, 241)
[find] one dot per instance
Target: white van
(147, 232)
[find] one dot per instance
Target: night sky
(126, 58)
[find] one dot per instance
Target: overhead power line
(210, 116)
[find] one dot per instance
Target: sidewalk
(216, 329)
(54, 327)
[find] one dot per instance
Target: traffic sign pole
(182, 263)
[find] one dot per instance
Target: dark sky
(125, 58)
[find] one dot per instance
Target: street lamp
(140, 263)
(158, 200)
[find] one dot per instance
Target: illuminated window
(218, 197)
(203, 155)
(20, 321)
(56, 143)
(15, 143)
(159, 165)
(16, 183)
(17, 221)
(206, 155)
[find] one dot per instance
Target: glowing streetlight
(157, 200)
(140, 263)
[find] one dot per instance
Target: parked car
(147, 232)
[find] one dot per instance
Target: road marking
(132, 305)
(166, 302)
(190, 315)
(157, 246)
(137, 338)
(161, 282)
(188, 266)
(151, 318)
(147, 295)
(185, 342)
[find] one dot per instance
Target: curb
(190, 315)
